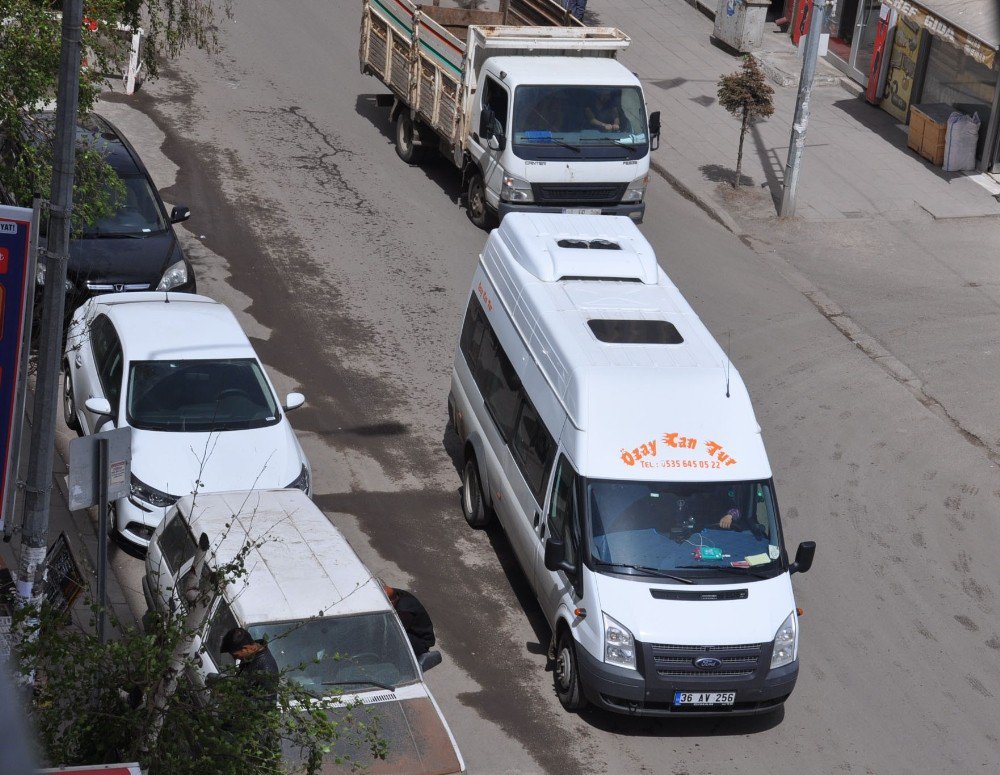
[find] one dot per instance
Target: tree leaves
(746, 90)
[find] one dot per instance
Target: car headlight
(516, 190)
(636, 189)
(176, 274)
(786, 642)
(301, 482)
(619, 645)
(139, 490)
(40, 277)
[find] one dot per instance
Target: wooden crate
(928, 127)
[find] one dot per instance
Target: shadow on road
(436, 168)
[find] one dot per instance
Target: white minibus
(613, 440)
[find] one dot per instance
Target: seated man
(604, 114)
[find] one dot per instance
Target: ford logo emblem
(708, 663)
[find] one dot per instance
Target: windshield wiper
(630, 147)
(644, 569)
(728, 569)
(380, 685)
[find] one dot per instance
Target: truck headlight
(786, 642)
(301, 482)
(176, 274)
(516, 190)
(619, 645)
(139, 490)
(636, 190)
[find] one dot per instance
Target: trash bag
(960, 142)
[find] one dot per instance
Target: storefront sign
(902, 69)
(15, 286)
(942, 29)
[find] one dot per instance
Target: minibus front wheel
(474, 507)
(566, 674)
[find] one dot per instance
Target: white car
(181, 373)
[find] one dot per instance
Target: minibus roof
(302, 566)
(624, 353)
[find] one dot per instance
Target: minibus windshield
(689, 529)
(343, 654)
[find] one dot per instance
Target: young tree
(748, 97)
(99, 702)
(30, 40)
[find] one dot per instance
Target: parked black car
(135, 249)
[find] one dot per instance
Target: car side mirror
(555, 556)
(212, 679)
(293, 401)
(486, 123)
(429, 659)
(496, 142)
(99, 406)
(803, 557)
(180, 213)
(654, 130)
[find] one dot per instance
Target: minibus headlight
(516, 190)
(636, 190)
(786, 642)
(619, 645)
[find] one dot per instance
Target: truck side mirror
(654, 130)
(496, 142)
(486, 123)
(429, 659)
(555, 556)
(803, 557)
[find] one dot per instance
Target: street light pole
(38, 482)
(801, 120)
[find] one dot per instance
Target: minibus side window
(472, 335)
(563, 521)
(533, 448)
(499, 385)
(177, 543)
(222, 622)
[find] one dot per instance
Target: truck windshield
(690, 529)
(579, 122)
(345, 654)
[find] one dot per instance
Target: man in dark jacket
(257, 667)
(416, 621)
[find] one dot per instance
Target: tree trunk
(739, 155)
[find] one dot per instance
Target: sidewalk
(81, 530)
(855, 164)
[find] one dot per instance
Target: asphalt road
(351, 272)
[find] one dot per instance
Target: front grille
(671, 661)
(117, 287)
(568, 194)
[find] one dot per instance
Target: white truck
(538, 118)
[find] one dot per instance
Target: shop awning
(971, 25)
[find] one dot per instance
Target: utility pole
(801, 120)
(34, 533)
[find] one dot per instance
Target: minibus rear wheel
(474, 506)
(566, 674)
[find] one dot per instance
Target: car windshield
(343, 654)
(204, 395)
(136, 212)
(684, 528)
(581, 122)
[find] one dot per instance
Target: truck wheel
(69, 403)
(474, 507)
(405, 148)
(566, 674)
(475, 202)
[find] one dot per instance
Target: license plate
(582, 210)
(704, 698)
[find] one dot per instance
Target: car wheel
(566, 674)
(477, 514)
(405, 147)
(69, 403)
(475, 202)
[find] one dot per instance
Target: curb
(714, 212)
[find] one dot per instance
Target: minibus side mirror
(803, 557)
(555, 556)
(429, 659)
(654, 130)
